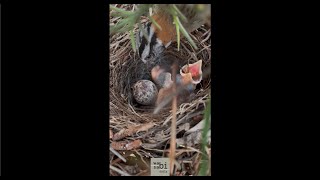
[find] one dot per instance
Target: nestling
(190, 75)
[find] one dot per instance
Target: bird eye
(149, 56)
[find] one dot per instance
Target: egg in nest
(145, 92)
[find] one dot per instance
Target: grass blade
(180, 13)
(204, 159)
(155, 23)
(133, 43)
(121, 11)
(185, 33)
(178, 30)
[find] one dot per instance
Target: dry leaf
(145, 127)
(134, 145)
(132, 130)
(121, 134)
(126, 145)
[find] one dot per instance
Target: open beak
(192, 72)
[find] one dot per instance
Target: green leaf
(121, 11)
(179, 13)
(133, 43)
(175, 18)
(204, 159)
(121, 24)
(186, 34)
(155, 23)
(172, 11)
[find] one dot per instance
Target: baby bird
(190, 75)
(161, 72)
(193, 72)
(160, 77)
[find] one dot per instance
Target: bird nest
(153, 130)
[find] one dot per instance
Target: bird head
(160, 77)
(152, 41)
(155, 72)
(192, 72)
(148, 45)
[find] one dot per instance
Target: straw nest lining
(126, 68)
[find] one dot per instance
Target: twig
(117, 154)
(174, 120)
(209, 35)
(119, 171)
(141, 172)
(142, 159)
(187, 116)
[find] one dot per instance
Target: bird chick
(190, 75)
(194, 70)
(161, 73)
(160, 77)
(183, 94)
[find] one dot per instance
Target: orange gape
(168, 32)
(194, 70)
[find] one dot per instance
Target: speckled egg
(145, 92)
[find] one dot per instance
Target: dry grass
(125, 69)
